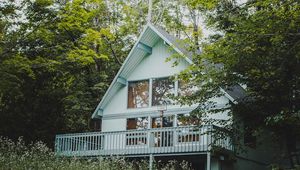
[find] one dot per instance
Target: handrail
(132, 130)
(141, 141)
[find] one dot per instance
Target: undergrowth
(18, 156)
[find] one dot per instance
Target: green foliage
(257, 44)
(56, 61)
(17, 155)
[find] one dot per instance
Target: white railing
(141, 142)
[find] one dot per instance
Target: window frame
(150, 92)
(164, 77)
(127, 94)
(137, 120)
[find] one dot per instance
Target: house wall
(267, 152)
(113, 125)
(155, 65)
(264, 153)
(116, 112)
(152, 66)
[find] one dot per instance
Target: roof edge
(163, 35)
(94, 115)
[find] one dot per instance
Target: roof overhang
(142, 48)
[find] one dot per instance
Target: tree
(57, 59)
(256, 45)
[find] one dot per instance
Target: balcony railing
(174, 140)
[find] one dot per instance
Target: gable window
(138, 94)
(185, 88)
(162, 88)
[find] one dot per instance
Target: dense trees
(57, 58)
(257, 43)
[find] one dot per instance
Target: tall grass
(18, 156)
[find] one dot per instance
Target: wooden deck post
(208, 161)
(208, 142)
(150, 161)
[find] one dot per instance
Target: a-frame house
(139, 119)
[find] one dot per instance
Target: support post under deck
(208, 161)
(150, 162)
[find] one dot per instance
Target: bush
(16, 155)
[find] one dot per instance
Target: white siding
(118, 103)
(152, 66)
(155, 65)
(113, 125)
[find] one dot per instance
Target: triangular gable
(142, 48)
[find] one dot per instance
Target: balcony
(174, 140)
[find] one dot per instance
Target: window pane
(185, 88)
(161, 90)
(138, 94)
(137, 123)
(187, 120)
(167, 122)
(137, 137)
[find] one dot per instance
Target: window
(185, 88)
(137, 123)
(161, 90)
(137, 137)
(188, 134)
(138, 94)
(167, 122)
(187, 120)
(249, 138)
(163, 138)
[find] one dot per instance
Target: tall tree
(57, 59)
(256, 45)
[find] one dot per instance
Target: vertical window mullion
(176, 88)
(175, 120)
(150, 92)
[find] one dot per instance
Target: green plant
(17, 155)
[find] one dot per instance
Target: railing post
(149, 136)
(56, 147)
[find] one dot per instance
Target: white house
(140, 120)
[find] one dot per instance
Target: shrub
(17, 156)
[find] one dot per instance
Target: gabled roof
(142, 48)
(235, 93)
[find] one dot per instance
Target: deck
(174, 140)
